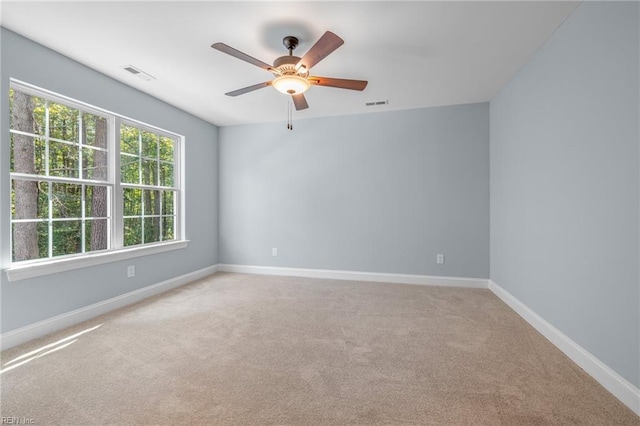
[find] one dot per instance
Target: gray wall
(564, 183)
(380, 192)
(25, 302)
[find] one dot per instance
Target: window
(147, 163)
(84, 180)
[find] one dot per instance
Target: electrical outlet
(131, 271)
(274, 251)
(440, 259)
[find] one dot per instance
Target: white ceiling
(414, 54)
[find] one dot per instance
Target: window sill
(37, 269)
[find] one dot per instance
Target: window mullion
(117, 222)
(142, 218)
(50, 219)
(178, 181)
(49, 184)
(80, 147)
(140, 180)
(159, 193)
(46, 137)
(83, 223)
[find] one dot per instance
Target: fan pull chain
(289, 117)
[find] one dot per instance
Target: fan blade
(242, 56)
(299, 101)
(249, 89)
(323, 47)
(340, 83)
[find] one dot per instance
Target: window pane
(67, 237)
(149, 144)
(96, 201)
(43, 239)
(166, 149)
(40, 156)
(63, 122)
(166, 174)
(129, 140)
(132, 231)
(96, 234)
(89, 128)
(66, 200)
(29, 241)
(95, 130)
(29, 199)
(43, 200)
(27, 112)
(132, 202)
(63, 160)
(94, 164)
(28, 154)
(167, 202)
(151, 202)
(167, 228)
(149, 172)
(129, 169)
(151, 229)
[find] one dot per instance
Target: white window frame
(177, 180)
(116, 251)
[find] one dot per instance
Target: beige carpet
(241, 349)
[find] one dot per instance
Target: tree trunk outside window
(99, 235)
(25, 235)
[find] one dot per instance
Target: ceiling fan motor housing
(286, 65)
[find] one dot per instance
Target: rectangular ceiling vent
(377, 103)
(138, 73)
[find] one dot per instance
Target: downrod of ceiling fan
(290, 42)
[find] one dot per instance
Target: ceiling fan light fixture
(291, 84)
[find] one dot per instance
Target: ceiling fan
(292, 72)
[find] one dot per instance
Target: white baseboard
(41, 328)
(626, 392)
(357, 276)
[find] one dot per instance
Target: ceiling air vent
(138, 73)
(377, 103)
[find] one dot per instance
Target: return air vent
(377, 103)
(138, 73)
